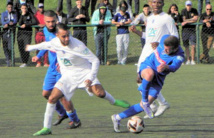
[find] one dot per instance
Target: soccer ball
(135, 124)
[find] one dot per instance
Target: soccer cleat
(162, 109)
(148, 110)
(188, 62)
(121, 103)
(116, 123)
(72, 124)
(44, 131)
(154, 108)
(60, 119)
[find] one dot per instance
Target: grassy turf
(189, 92)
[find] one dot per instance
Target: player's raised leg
(99, 91)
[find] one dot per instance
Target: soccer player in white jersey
(79, 68)
(158, 24)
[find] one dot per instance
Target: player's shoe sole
(116, 123)
(44, 131)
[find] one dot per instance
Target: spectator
(93, 4)
(61, 17)
(137, 3)
(207, 33)
(60, 5)
(79, 16)
(189, 15)
(121, 19)
(9, 20)
(141, 19)
(19, 3)
(200, 5)
(24, 37)
(101, 16)
(123, 3)
(39, 37)
(173, 11)
(108, 6)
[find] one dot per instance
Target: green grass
(189, 92)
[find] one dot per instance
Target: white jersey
(157, 26)
(77, 64)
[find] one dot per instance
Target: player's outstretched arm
(41, 46)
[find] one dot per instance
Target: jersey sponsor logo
(180, 58)
(85, 51)
(152, 32)
(161, 61)
(66, 62)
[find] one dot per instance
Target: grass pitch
(189, 92)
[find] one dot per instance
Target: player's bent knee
(45, 94)
(52, 99)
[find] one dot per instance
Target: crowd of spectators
(24, 14)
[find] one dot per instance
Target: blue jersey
(122, 18)
(160, 57)
(51, 55)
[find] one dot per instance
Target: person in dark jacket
(61, 16)
(24, 36)
(79, 16)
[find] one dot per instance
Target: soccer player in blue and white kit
(79, 68)
(167, 58)
(52, 75)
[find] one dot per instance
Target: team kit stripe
(158, 57)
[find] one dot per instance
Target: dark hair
(123, 2)
(169, 11)
(50, 13)
(61, 26)
(172, 41)
(9, 3)
(146, 5)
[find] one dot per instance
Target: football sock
(144, 88)
(133, 110)
(109, 97)
(73, 116)
(48, 115)
(161, 100)
(60, 109)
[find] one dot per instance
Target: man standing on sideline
(189, 15)
(79, 68)
(8, 20)
(52, 76)
(167, 58)
(159, 24)
(79, 16)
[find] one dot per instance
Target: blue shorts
(50, 80)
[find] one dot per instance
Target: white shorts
(147, 51)
(68, 83)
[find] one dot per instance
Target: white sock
(138, 84)
(50, 108)
(161, 100)
(118, 117)
(109, 97)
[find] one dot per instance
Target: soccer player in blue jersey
(167, 58)
(52, 75)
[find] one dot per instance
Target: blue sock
(60, 109)
(73, 116)
(144, 88)
(133, 110)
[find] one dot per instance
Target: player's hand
(154, 45)
(58, 67)
(35, 59)
(26, 47)
(162, 67)
(88, 83)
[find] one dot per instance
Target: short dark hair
(61, 26)
(146, 5)
(172, 41)
(50, 13)
(9, 3)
